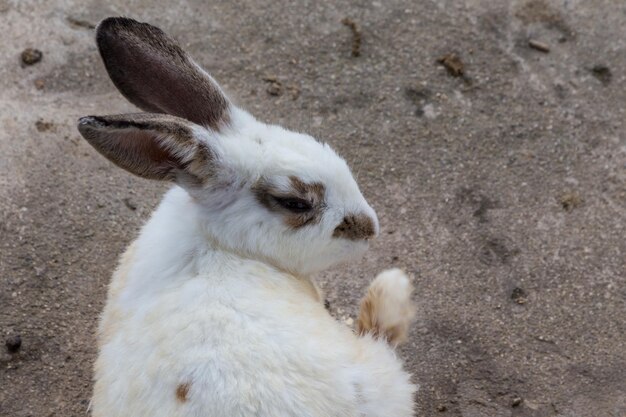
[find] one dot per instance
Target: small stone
(602, 73)
(39, 84)
(275, 89)
(453, 64)
(327, 304)
(518, 295)
(130, 204)
(31, 56)
(78, 22)
(569, 201)
(539, 46)
(294, 91)
(441, 408)
(516, 402)
(43, 126)
(14, 343)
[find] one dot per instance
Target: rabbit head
(260, 191)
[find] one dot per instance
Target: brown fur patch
(366, 323)
(265, 193)
(153, 72)
(356, 227)
(182, 391)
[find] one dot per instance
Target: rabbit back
(247, 344)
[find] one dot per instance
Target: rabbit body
(212, 312)
(190, 330)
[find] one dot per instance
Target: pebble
(539, 46)
(31, 56)
(14, 343)
(130, 204)
(453, 64)
(274, 89)
(518, 295)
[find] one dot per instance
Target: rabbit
(212, 310)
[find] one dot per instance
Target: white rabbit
(212, 310)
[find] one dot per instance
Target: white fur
(216, 295)
(249, 339)
(250, 150)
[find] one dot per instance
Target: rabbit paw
(387, 310)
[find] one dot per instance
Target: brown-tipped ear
(154, 146)
(155, 74)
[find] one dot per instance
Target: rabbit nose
(359, 226)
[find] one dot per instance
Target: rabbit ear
(154, 73)
(154, 146)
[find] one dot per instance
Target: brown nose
(356, 227)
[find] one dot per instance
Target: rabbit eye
(295, 205)
(299, 205)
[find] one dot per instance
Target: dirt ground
(489, 136)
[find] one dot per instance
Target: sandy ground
(502, 191)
